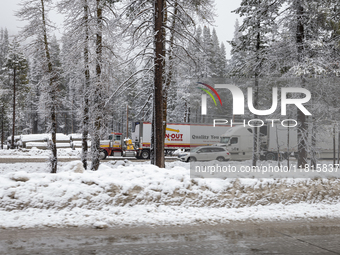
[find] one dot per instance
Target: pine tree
(76, 59)
(215, 54)
(222, 62)
(208, 53)
(4, 99)
(238, 56)
(35, 13)
(4, 43)
(173, 29)
(258, 22)
(36, 104)
(91, 62)
(16, 66)
(306, 50)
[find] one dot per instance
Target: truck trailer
(275, 141)
(177, 136)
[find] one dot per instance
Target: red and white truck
(178, 136)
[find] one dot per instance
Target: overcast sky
(224, 22)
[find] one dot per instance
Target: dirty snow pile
(126, 193)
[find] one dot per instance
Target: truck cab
(117, 146)
(239, 142)
(272, 142)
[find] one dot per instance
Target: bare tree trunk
(301, 118)
(255, 99)
(334, 147)
(171, 65)
(2, 127)
(54, 159)
(152, 146)
(338, 147)
(302, 130)
(278, 148)
(313, 138)
(158, 83)
(35, 114)
(14, 94)
(288, 148)
(85, 125)
(127, 121)
(95, 145)
(52, 94)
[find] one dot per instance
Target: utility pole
(127, 121)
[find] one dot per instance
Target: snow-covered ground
(38, 153)
(123, 193)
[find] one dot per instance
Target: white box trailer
(273, 141)
(324, 142)
(178, 136)
(276, 141)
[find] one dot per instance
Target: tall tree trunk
(35, 123)
(95, 145)
(301, 118)
(313, 140)
(288, 147)
(334, 147)
(152, 145)
(35, 114)
(2, 127)
(171, 65)
(14, 95)
(158, 83)
(52, 94)
(256, 96)
(85, 125)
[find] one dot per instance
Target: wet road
(298, 237)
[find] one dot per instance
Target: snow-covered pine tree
(35, 13)
(238, 57)
(307, 52)
(61, 96)
(76, 60)
(177, 22)
(222, 62)
(215, 54)
(92, 61)
(258, 22)
(16, 67)
(180, 20)
(4, 98)
(207, 45)
(4, 43)
(36, 104)
(87, 83)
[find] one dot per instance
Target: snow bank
(38, 153)
(127, 193)
(128, 184)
